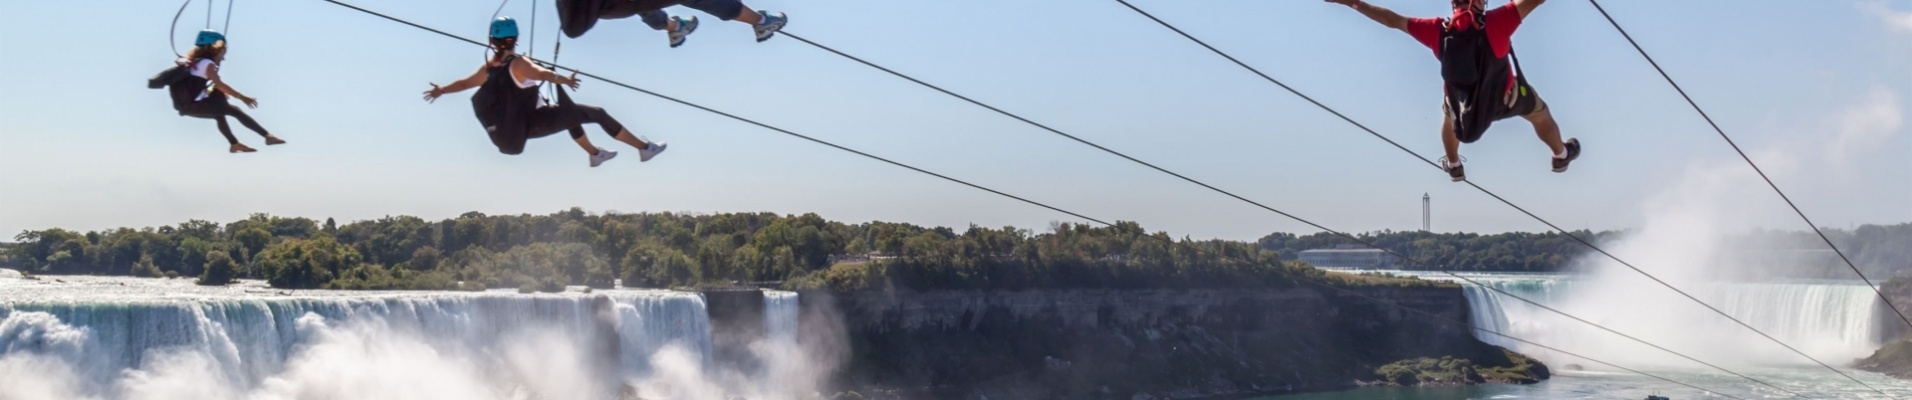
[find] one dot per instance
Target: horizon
(1034, 230)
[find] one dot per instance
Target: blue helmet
(208, 37)
(504, 27)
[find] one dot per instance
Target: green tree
(218, 271)
(306, 263)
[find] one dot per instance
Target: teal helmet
(504, 27)
(208, 37)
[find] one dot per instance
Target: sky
(1817, 90)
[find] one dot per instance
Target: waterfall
(1832, 321)
(113, 338)
(780, 315)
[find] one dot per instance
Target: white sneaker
(646, 153)
(602, 156)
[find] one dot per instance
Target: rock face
(1895, 357)
(1141, 343)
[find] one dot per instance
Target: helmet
(208, 37)
(504, 27)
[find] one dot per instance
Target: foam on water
(114, 338)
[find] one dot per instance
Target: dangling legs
(551, 120)
(766, 24)
(1530, 106)
(246, 120)
(217, 109)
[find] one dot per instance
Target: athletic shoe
(684, 27)
(240, 148)
(770, 25)
(274, 140)
(602, 156)
(1573, 152)
(1454, 170)
(652, 150)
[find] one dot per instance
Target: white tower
(1426, 210)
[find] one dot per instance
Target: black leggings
(216, 108)
(549, 120)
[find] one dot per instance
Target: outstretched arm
(476, 78)
(1526, 6)
(212, 74)
(1380, 14)
(524, 67)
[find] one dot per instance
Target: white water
(127, 338)
(1834, 322)
(780, 315)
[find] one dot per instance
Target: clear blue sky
(86, 146)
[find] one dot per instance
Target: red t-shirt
(1501, 23)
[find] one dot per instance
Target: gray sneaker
(602, 156)
(770, 25)
(653, 150)
(684, 28)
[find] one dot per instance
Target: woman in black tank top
(508, 106)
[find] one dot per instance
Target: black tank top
(499, 102)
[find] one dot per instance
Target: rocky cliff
(1132, 344)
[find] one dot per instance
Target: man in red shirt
(1475, 47)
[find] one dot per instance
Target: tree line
(548, 252)
(1878, 250)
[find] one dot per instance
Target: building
(1350, 256)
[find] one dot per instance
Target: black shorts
(1525, 100)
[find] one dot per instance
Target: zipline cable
(227, 29)
(172, 35)
(1496, 196)
(1264, 207)
(1749, 162)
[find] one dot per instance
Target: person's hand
(571, 81)
(250, 102)
(1349, 3)
(431, 96)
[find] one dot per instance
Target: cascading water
(1832, 321)
(780, 316)
(114, 338)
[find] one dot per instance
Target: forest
(549, 252)
(659, 250)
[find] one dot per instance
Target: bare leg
(626, 137)
(749, 16)
(586, 144)
(1547, 129)
(1448, 141)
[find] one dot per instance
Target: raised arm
(1527, 6)
(476, 78)
(1379, 14)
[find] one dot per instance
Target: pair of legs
(549, 120)
(1526, 104)
(728, 10)
(218, 109)
(578, 16)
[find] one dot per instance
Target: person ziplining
(508, 104)
(576, 17)
(1481, 75)
(198, 91)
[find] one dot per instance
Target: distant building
(1350, 256)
